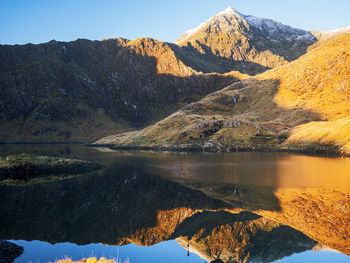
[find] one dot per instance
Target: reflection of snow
(320, 247)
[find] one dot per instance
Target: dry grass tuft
(92, 260)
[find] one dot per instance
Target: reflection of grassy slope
(249, 198)
(152, 206)
(155, 207)
(210, 220)
(242, 237)
(9, 251)
(323, 215)
(269, 108)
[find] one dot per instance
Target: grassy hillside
(82, 90)
(318, 82)
(304, 103)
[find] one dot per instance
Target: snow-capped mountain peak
(239, 37)
(231, 20)
(228, 11)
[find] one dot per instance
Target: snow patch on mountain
(272, 30)
(228, 11)
(328, 34)
(190, 32)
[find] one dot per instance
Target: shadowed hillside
(82, 90)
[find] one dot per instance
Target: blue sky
(37, 21)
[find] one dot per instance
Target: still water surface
(153, 207)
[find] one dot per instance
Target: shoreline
(48, 142)
(27, 166)
(330, 151)
(317, 150)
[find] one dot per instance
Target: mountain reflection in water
(238, 207)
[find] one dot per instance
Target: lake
(181, 207)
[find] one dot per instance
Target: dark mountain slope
(83, 89)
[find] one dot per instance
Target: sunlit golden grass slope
(319, 82)
(324, 132)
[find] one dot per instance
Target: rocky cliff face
(84, 89)
(239, 37)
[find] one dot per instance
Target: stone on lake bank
(27, 166)
(9, 251)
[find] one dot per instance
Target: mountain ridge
(323, 35)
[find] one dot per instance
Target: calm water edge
(172, 207)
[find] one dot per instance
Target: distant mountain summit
(330, 34)
(240, 37)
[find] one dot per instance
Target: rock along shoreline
(332, 151)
